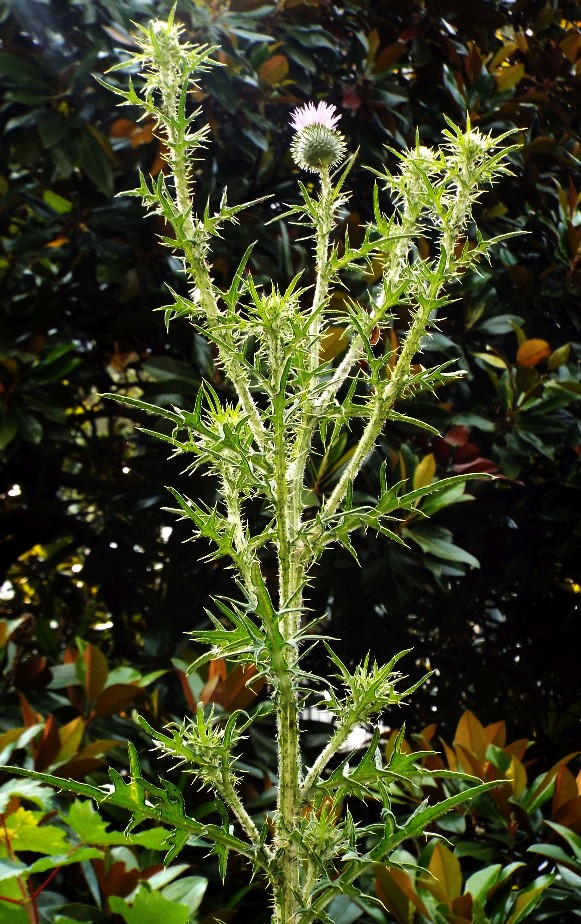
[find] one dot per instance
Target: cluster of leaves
(518, 854)
(119, 873)
(514, 855)
(61, 861)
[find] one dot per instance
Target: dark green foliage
(82, 272)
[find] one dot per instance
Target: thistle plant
(285, 403)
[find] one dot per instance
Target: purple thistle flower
(323, 114)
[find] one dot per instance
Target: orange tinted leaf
(468, 761)
(427, 733)
(407, 886)
(217, 668)
(115, 878)
(103, 142)
(473, 63)
(373, 42)
(501, 797)
(547, 780)
(525, 902)
(470, 734)
(393, 899)
(532, 352)
(118, 362)
(570, 45)
(96, 671)
(59, 241)
(395, 889)
(10, 736)
(32, 674)
(390, 744)
(496, 733)
(4, 632)
(137, 132)
(159, 161)
(274, 70)
(565, 789)
(121, 128)
(142, 134)
(78, 768)
(518, 748)
(450, 756)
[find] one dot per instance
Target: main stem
(287, 884)
(292, 570)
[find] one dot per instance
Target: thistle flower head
(323, 114)
(317, 144)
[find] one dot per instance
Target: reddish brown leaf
(388, 56)
(29, 716)
(240, 690)
(187, 691)
(457, 436)
(351, 98)
(77, 768)
(569, 815)
(462, 908)
(48, 746)
(117, 879)
(115, 699)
